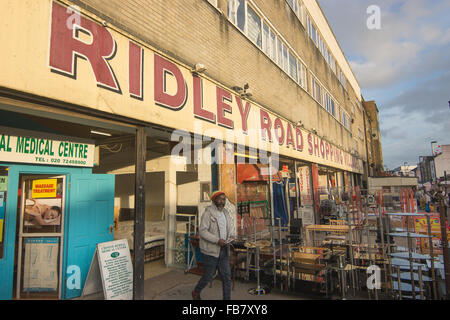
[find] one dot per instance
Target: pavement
(167, 283)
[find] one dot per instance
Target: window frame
(272, 44)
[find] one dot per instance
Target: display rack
(183, 251)
(403, 284)
(309, 264)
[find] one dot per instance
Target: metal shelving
(408, 259)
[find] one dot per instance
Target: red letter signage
(68, 43)
(199, 112)
(136, 65)
(163, 68)
(266, 125)
(223, 107)
(244, 113)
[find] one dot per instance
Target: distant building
(433, 168)
(427, 169)
(373, 139)
(405, 171)
(442, 162)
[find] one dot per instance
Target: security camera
(199, 68)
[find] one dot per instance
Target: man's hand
(221, 242)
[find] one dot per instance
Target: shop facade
(166, 116)
(44, 210)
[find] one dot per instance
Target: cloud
(404, 66)
(411, 31)
(425, 98)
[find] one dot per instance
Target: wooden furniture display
(309, 264)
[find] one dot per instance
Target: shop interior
(322, 237)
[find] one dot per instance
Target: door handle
(111, 228)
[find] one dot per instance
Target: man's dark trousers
(211, 264)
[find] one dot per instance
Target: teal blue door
(8, 209)
(89, 221)
(9, 216)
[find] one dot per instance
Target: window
(269, 44)
(266, 40)
(358, 105)
(236, 13)
(312, 30)
(332, 64)
(295, 6)
(341, 77)
(330, 104)
(345, 119)
(302, 75)
(298, 8)
(273, 42)
(313, 34)
(316, 89)
(280, 53)
(293, 67)
(254, 26)
(285, 59)
(360, 134)
(262, 33)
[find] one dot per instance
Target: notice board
(111, 271)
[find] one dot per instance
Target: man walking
(216, 232)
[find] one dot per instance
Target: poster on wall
(43, 205)
(40, 268)
(3, 190)
(306, 198)
(421, 226)
(3, 183)
(305, 186)
(2, 213)
(292, 191)
(307, 215)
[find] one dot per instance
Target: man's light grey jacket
(209, 230)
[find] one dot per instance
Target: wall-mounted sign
(3, 183)
(44, 188)
(112, 77)
(27, 148)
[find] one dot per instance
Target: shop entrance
(39, 236)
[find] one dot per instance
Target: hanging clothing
(279, 203)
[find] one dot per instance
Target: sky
(404, 65)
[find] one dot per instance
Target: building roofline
(339, 45)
